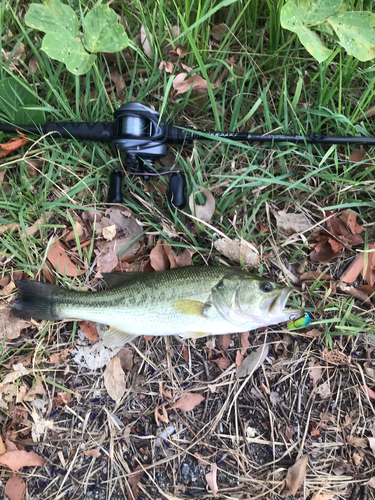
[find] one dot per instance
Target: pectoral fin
(114, 337)
(190, 307)
(194, 335)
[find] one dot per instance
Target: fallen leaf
(158, 258)
(224, 340)
(357, 458)
(63, 398)
(40, 426)
(38, 388)
(219, 31)
(368, 391)
(357, 441)
(16, 459)
(350, 220)
(371, 482)
(369, 264)
(10, 326)
(167, 66)
(15, 487)
(95, 453)
(211, 478)
(106, 262)
(34, 228)
(177, 51)
(146, 42)
(185, 352)
(324, 496)
(33, 64)
(324, 390)
(117, 79)
(114, 379)
(239, 358)
(201, 459)
(7, 290)
(64, 263)
(351, 418)
(188, 401)
(292, 223)
(133, 481)
(89, 329)
(354, 292)
(253, 361)
(12, 145)
(223, 363)
(129, 230)
(238, 251)
(296, 474)
(371, 442)
(195, 82)
(109, 232)
(336, 357)
(125, 355)
(315, 372)
(314, 432)
(2, 446)
(185, 258)
(163, 417)
(359, 155)
(206, 211)
(355, 268)
(60, 357)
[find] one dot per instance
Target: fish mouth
(278, 303)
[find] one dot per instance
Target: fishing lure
(297, 323)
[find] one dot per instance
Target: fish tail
(36, 300)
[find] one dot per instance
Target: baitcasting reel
(143, 135)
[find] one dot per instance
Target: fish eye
(266, 287)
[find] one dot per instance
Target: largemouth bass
(187, 301)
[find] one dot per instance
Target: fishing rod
(143, 135)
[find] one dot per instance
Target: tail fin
(36, 300)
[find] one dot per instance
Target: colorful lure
(305, 320)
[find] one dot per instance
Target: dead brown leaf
(315, 372)
(15, 487)
(371, 482)
(368, 391)
(163, 416)
(38, 388)
(117, 79)
(292, 223)
(223, 363)
(253, 361)
(371, 442)
(176, 52)
(185, 258)
(239, 251)
(146, 42)
(16, 459)
(114, 379)
(64, 262)
(106, 262)
(296, 474)
(63, 398)
(125, 355)
(167, 66)
(89, 329)
(211, 478)
(185, 352)
(158, 258)
(2, 446)
(357, 441)
(95, 453)
(239, 357)
(60, 357)
(206, 211)
(195, 82)
(350, 220)
(133, 481)
(12, 145)
(224, 340)
(355, 268)
(10, 326)
(329, 495)
(219, 31)
(336, 357)
(188, 401)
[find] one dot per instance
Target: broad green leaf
(356, 31)
(316, 11)
(52, 16)
(15, 98)
(102, 31)
(291, 18)
(68, 50)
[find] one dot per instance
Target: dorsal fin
(114, 280)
